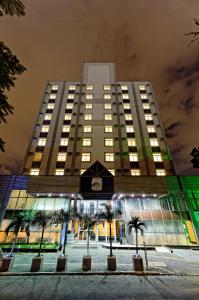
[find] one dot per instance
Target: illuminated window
(61, 156)
(154, 142)
(125, 96)
(142, 87)
(88, 117)
(133, 157)
(143, 96)
(50, 106)
(89, 96)
(107, 87)
(146, 106)
(160, 172)
(157, 157)
(67, 117)
(128, 117)
(82, 171)
(52, 96)
(109, 156)
(45, 128)
(127, 106)
(66, 128)
(89, 87)
(34, 172)
(129, 128)
(71, 96)
(107, 96)
(107, 106)
(48, 117)
(87, 128)
(124, 87)
(64, 142)
(55, 87)
(37, 156)
(59, 172)
(41, 142)
(69, 106)
(135, 172)
(112, 171)
(108, 128)
(150, 128)
(86, 142)
(108, 117)
(148, 117)
(131, 142)
(72, 87)
(89, 106)
(86, 156)
(109, 142)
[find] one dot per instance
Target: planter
(111, 262)
(6, 264)
(62, 263)
(138, 263)
(37, 264)
(86, 263)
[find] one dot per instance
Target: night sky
(145, 38)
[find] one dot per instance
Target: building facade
(101, 141)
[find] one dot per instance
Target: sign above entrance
(96, 184)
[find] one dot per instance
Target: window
(154, 142)
(146, 106)
(37, 156)
(86, 156)
(71, 96)
(142, 87)
(41, 142)
(72, 87)
(64, 142)
(107, 96)
(45, 128)
(86, 142)
(82, 171)
(66, 128)
(55, 87)
(135, 172)
(160, 173)
(109, 156)
(108, 117)
(127, 106)
(107, 87)
(112, 171)
(88, 117)
(133, 157)
(107, 106)
(150, 128)
(143, 96)
(148, 117)
(108, 129)
(87, 128)
(131, 142)
(124, 87)
(48, 117)
(34, 172)
(59, 172)
(109, 142)
(125, 96)
(50, 106)
(89, 87)
(61, 157)
(89, 106)
(52, 96)
(129, 128)
(157, 157)
(89, 96)
(128, 117)
(69, 106)
(67, 117)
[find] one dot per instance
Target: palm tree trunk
(111, 251)
(65, 239)
(42, 236)
(13, 245)
(136, 234)
(87, 241)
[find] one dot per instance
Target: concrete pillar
(115, 237)
(106, 231)
(96, 233)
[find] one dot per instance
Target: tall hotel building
(97, 141)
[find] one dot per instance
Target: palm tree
(87, 222)
(12, 7)
(137, 224)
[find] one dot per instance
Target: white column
(96, 233)
(115, 238)
(106, 230)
